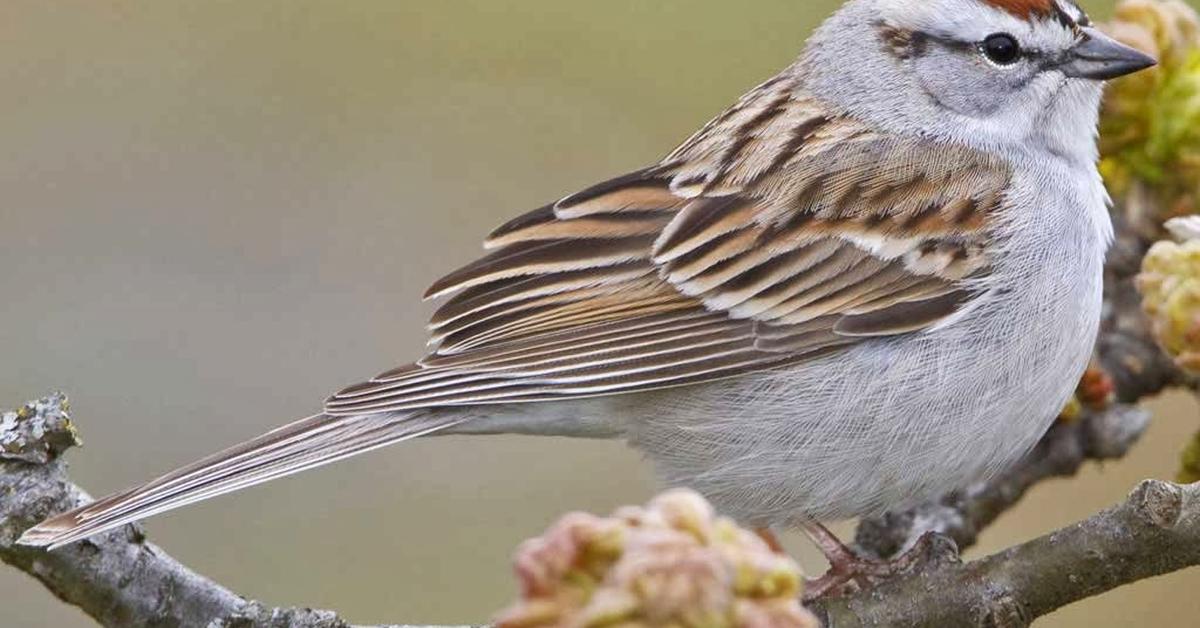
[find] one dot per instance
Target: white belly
(889, 422)
(878, 427)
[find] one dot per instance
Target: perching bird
(875, 278)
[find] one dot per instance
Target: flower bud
(672, 563)
(1170, 287)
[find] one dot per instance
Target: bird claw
(849, 572)
(848, 576)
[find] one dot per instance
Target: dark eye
(1001, 49)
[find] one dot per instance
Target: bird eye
(1001, 49)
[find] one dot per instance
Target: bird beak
(1099, 57)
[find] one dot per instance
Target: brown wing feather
(777, 233)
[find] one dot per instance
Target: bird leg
(771, 540)
(846, 567)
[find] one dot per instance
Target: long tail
(305, 444)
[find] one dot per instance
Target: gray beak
(1100, 58)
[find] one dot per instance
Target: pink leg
(846, 567)
(771, 540)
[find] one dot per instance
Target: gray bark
(1155, 531)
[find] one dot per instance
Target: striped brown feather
(701, 221)
(601, 226)
(684, 367)
(575, 371)
(765, 304)
(483, 317)
(532, 258)
(834, 295)
(632, 327)
(628, 360)
(801, 343)
(903, 317)
(826, 298)
(644, 190)
(624, 335)
(642, 332)
(515, 289)
(777, 233)
(715, 254)
(711, 363)
(572, 315)
(926, 288)
(540, 216)
(900, 206)
(752, 273)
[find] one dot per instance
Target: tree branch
(117, 578)
(120, 579)
(1156, 531)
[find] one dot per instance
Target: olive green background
(215, 213)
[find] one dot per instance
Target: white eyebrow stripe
(1071, 11)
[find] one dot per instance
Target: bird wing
(777, 233)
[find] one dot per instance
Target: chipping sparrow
(875, 278)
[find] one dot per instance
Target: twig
(118, 578)
(1156, 531)
(1126, 348)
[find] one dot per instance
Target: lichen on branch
(38, 431)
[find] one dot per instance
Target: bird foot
(851, 575)
(848, 571)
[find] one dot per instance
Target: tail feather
(304, 444)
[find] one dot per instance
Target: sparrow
(875, 278)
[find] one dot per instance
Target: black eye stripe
(917, 43)
(973, 47)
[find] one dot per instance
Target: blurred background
(215, 213)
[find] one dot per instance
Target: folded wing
(777, 233)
